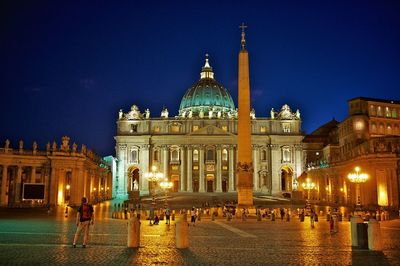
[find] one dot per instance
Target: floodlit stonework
(368, 138)
(65, 173)
(197, 149)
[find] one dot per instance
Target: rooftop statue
(120, 114)
(164, 113)
(272, 113)
(7, 144)
(147, 113)
(286, 113)
(253, 113)
(65, 144)
(134, 113)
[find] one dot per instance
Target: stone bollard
(374, 235)
(258, 216)
(382, 216)
(173, 215)
(287, 217)
(181, 233)
(273, 216)
(353, 228)
(212, 216)
(333, 224)
(199, 216)
(133, 233)
(387, 215)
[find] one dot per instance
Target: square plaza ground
(29, 237)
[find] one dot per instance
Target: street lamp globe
(358, 178)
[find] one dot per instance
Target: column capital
(145, 146)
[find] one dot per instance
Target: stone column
(201, 169)
(122, 162)
(189, 175)
(275, 169)
(144, 168)
(256, 157)
(33, 174)
(231, 169)
(53, 186)
(165, 160)
(4, 185)
(18, 196)
(218, 187)
(182, 177)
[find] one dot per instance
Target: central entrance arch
(133, 178)
(210, 183)
(286, 178)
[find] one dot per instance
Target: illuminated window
(387, 112)
(224, 155)
(359, 125)
(195, 167)
(379, 111)
(156, 129)
(286, 154)
(174, 155)
(389, 129)
(134, 156)
(286, 127)
(394, 113)
(263, 129)
(195, 128)
(372, 110)
(373, 128)
(195, 155)
(225, 128)
(224, 167)
(381, 129)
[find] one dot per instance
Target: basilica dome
(207, 98)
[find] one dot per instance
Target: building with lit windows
(369, 138)
(59, 175)
(197, 148)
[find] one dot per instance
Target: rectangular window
(225, 128)
(286, 127)
(195, 128)
(175, 129)
(156, 129)
(263, 129)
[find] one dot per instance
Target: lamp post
(308, 185)
(357, 177)
(166, 185)
(153, 177)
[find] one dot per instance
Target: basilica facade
(197, 149)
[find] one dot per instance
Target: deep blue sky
(67, 67)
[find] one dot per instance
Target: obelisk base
(245, 197)
(245, 188)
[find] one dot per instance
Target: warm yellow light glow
(94, 189)
(382, 195)
(357, 177)
(166, 184)
(67, 187)
(154, 168)
(60, 197)
(102, 188)
(108, 188)
(341, 189)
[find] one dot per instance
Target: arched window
(195, 155)
(373, 128)
(210, 155)
(389, 129)
(155, 155)
(174, 155)
(381, 129)
(372, 110)
(387, 112)
(263, 155)
(224, 155)
(394, 113)
(286, 154)
(379, 111)
(134, 155)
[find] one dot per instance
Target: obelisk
(244, 165)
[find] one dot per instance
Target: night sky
(67, 67)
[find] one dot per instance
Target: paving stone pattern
(36, 238)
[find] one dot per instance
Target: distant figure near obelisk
(244, 165)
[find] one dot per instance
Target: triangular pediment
(211, 130)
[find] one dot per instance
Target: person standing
(84, 218)
(151, 215)
(193, 216)
(312, 217)
(167, 216)
(282, 213)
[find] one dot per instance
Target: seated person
(156, 220)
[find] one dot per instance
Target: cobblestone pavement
(37, 238)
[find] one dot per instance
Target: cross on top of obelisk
(243, 41)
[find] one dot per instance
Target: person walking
(151, 215)
(282, 213)
(312, 217)
(193, 216)
(84, 218)
(167, 216)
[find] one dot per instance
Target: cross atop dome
(206, 70)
